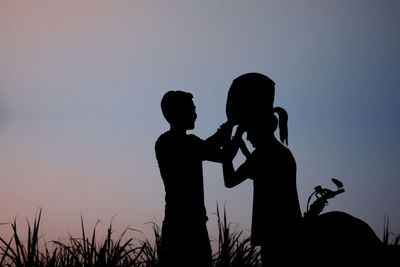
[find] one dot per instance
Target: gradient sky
(81, 84)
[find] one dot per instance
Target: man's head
(179, 110)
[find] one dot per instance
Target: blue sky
(81, 83)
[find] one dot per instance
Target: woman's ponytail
(283, 128)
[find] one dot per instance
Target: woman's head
(260, 130)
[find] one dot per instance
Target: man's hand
(224, 132)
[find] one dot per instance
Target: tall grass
(77, 251)
(395, 241)
(234, 248)
(84, 251)
(16, 253)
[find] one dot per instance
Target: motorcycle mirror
(318, 189)
(338, 183)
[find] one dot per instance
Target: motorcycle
(327, 235)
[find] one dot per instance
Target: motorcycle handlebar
(341, 190)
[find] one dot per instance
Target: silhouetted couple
(271, 166)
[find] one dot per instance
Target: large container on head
(250, 95)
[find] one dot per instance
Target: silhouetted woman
(276, 212)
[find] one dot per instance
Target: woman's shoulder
(285, 149)
(276, 150)
(282, 153)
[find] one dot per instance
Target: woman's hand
(231, 148)
(239, 133)
(244, 149)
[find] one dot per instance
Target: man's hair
(172, 102)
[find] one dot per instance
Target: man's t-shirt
(180, 161)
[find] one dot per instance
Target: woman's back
(276, 209)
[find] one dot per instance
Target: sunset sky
(81, 84)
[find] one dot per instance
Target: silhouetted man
(185, 240)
